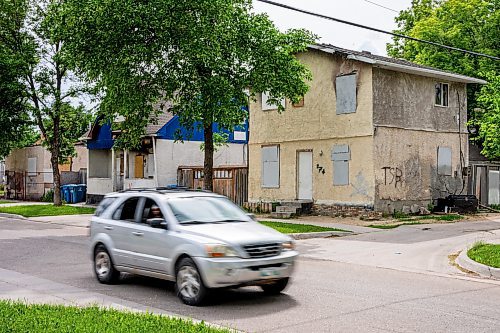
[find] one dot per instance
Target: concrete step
(281, 215)
(297, 204)
(287, 209)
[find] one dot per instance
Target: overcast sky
(342, 35)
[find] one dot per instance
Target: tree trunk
(54, 160)
(208, 166)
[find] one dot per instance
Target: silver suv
(199, 240)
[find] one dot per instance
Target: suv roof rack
(164, 189)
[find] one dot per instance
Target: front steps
(288, 209)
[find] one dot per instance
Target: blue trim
(105, 140)
(168, 132)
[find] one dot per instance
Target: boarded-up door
(139, 166)
(304, 178)
(493, 187)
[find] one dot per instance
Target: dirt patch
(356, 221)
(452, 259)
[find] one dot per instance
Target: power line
(378, 30)
(382, 6)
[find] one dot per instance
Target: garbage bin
(65, 193)
(80, 191)
(72, 193)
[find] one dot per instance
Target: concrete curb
(321, 234)
(464, 261)
(15, 216)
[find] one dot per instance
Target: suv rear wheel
(189, 285)
(103, 266)
(276, 287)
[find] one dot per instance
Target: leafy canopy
(472, 25)
(202, 55)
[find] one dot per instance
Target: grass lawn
(19, 317)
(487, 254)
(46, 210)
(293, 228)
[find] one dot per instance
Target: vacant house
(372, 133)
(28, 171)
(157, 161)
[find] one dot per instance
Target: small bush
(400, 215)
(48, 196)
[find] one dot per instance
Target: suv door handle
(108, 227)
(136, 233)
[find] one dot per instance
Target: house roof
(398, 65)
(156, 123)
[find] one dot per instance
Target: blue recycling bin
(72, 193)
(65, 193)
(80, 191)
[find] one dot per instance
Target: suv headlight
(288, 246)
(220, 251)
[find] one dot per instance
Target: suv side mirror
(252, 216)
(157, 222)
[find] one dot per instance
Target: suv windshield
(206, 210)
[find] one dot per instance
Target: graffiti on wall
(393, 176)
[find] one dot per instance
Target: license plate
(269, 272)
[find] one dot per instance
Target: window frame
(270, 107)
(278, 149)
(441, 87)
(120, 208)
(353, 76)
(341, 156)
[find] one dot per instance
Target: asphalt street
(333, 289)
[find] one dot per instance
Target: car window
(126, 211)
(206, 209)
(151, 210)
(103, 205)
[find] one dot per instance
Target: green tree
(488, 116)
(200, 55)
(471, 25)
(47, 83)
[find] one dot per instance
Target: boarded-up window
(266, 105)
(271, 166)
(340, 157)
(346, 93)
(31, 166)
(444, 161)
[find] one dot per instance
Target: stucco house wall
(409, 129)
(316, 126)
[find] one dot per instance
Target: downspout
(155, 161)
(113, 171)
(125, 166)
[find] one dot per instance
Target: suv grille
(263, 250)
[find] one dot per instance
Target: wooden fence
(229, 181)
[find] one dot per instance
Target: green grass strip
(19, 317)
(46, 210)
(487, 254)
(5, 201)
(293, 228)
(392, 226)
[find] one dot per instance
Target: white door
(304, 178)
(493, 187)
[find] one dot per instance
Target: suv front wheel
(103, 266)
(189, 285)
(275, 287)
